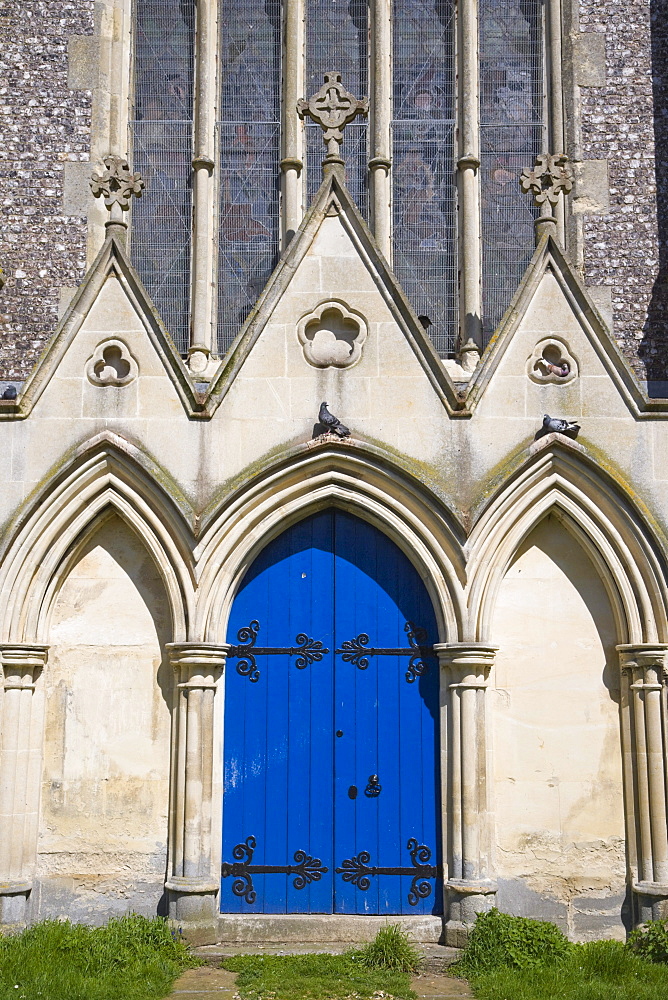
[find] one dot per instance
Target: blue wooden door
(331, 779)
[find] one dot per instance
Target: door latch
(374, 788)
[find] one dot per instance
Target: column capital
(469, 663)
(200, 664)
(644, 656)
(22, 663)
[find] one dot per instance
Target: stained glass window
(248, 135)
(424, 207)
(337, 38)
(161, 142)
(511, 134)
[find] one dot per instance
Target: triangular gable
(333, 198)
(111, 263)
(549, 258)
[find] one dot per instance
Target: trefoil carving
(552, 363)
(117, 183)
(111, 364)
(551, 176)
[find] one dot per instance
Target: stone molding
(645, 752)
(22, 664)
(191, 886)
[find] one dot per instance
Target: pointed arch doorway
(331, 800)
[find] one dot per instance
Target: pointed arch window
(463, 95)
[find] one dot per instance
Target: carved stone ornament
(117, 184)
(332, 108)
(552, 363)
(112, 364)
(550, 176)
(332, 336)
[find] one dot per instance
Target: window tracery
(466, 107)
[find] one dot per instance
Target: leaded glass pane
(512, 113)
(424, 206)
(248, 136)
(161, 141)
(337, 38)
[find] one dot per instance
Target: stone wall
(626, 123)
(43, 125)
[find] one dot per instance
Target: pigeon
(552, 425)
(332, 423)
(10, 392)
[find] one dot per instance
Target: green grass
(382, 967)
(314, 977)
(513, 958)
(601, 970)
(133, 958)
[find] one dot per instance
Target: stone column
(192, 883)
(555, 133)
(381, 116)
(468, 164)
(292, 129)
(20, 771)
(465, 778)
(643, 703)
(201, 334)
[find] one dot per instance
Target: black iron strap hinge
(307, 651)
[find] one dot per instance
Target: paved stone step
(208, 983)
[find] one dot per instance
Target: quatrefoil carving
(111, 364)
(332, 336)
(552, 363)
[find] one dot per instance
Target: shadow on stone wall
(654, 347)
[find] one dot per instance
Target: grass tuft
(498, 941)
(133, 957)
(390, 949)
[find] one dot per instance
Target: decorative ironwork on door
(306, 869)
(307, 651)
(358, 871)
(357, 651)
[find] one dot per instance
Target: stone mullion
(644, 666)
(192, 885)
(20, 768)
(292, 142)
(468, 173)
(381, 118)
(465, 670)
(555, 102)
(201, 325)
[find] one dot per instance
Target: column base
(193, 909)
(14, 904)
(465, 899)
(651, 901)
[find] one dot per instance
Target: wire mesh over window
(161, 143)
(337, 38)
(248, 139)
(512, 104)
(424, 207)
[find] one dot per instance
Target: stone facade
(43, 126)
(140, 489)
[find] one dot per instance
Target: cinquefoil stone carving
(112, 364)
(332, 336)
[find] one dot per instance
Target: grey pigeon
(10, 392)
(332, 423)
(552, 425)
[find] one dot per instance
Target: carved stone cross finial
(333, 107)
(116, 184)
(550, 176)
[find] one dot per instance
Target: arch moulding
(560, 479)
(354, 480)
